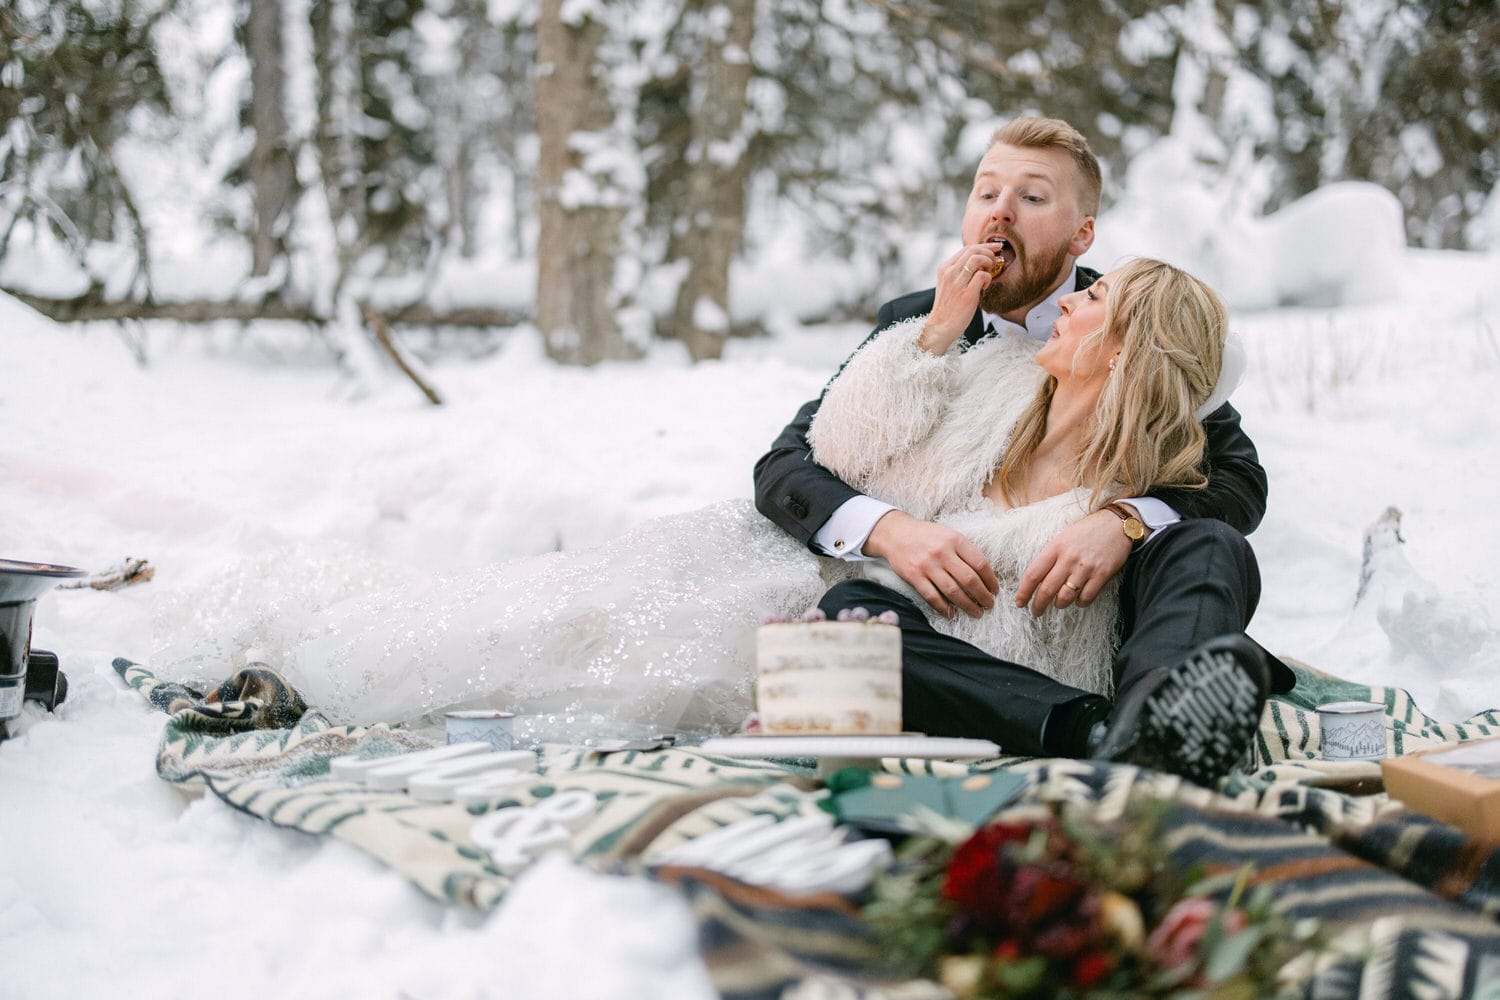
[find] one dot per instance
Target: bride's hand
(961, 279)
(1075, 565)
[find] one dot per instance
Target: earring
(1111, 364)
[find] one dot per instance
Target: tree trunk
(580, 226)
(466, 189)
(462, 198)
(271, 170)
(714, 212)
(341, 170)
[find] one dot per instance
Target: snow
(708, 316)
(1341, 244)
(231, 442)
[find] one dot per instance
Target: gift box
(1458, 785)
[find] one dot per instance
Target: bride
(1008, 446)
(656, 629)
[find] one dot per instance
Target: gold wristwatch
(1134, 527)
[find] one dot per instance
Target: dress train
(653, 630)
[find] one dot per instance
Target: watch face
(1134, 529)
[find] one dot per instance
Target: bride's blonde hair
(1145, 431)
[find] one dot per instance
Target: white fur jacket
(925, 433)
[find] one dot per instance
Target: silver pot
(21, 583)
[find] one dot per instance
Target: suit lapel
(975, 333)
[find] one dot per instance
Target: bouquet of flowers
(1052, 907)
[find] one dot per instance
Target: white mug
(482, 724)
(1352, 730)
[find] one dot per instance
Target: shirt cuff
(843, 534)
(1154, 513)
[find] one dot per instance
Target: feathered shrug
(926, 433)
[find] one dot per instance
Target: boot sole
(1200, 719)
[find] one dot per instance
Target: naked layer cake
(829, 678)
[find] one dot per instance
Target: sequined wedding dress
(653, 630)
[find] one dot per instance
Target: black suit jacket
(800, 495)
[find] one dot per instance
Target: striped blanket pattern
(1409, 905)
(235, 743)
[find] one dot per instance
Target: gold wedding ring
(1070, 585)
(968, 272)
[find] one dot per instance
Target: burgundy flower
(1066, 938)
(1047, 892)
(1043, 907)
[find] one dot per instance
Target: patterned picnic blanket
(254, 744)
(1409, 905)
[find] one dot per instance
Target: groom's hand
(942, 565)
(1075, 565)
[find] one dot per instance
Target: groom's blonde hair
(1054, 133)
(1170, 328)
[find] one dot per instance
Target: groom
(1189, 685)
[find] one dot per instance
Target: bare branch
(91, 307)
(383, 337)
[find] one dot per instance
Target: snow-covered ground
(233, 442)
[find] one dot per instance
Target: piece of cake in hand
(822, 678)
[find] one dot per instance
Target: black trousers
(1194, 581)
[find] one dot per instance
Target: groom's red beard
(1024, 282)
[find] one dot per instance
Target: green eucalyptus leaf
(1231, 954)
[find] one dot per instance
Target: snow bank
(1340, 245)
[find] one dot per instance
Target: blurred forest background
(611, 171)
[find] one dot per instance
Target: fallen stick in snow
(383, 337)
(126, 574)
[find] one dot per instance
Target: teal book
(888, 802)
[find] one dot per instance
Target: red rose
(1091, 969)
(973, 878)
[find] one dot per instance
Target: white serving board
(852, 747)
